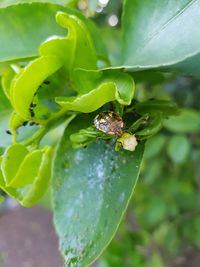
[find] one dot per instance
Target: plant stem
(56, 119)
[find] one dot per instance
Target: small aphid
(31, 112)
(33, 105)
(110, 123)
(8, 132)
(46, 82)
(32, 123)
(24, 123)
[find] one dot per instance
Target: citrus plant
(59, 71)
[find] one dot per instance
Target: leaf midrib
(170, 20)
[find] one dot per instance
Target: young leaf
(12, 159)
(27, 170)
(91, 190)
(91, 101)
(39, 186)
(18, 182)
(98, 88)
(15, 121)
(80, 40)
(6, 79)
(23, 87)
(152, 40)
(54, 53)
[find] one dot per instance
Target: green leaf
(91, 190)
(91, 101)
(54, 53)
(15, 121)
(178, 148)
(39, 186)
(154, 145)
(5, 105)
(111, 38)
(7, 77)
(6, 3)
(154, 126)
(82, 52)
(189, 66)
(25, 175)
(27, 170)
(40, 25)
(187, 121)
(5, 138)
(160, 33)
(13, 156)
(40, 69)
(97, 89)
(33, 23)
(167, 108)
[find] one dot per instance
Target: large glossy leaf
(91, 190)
(159, 34)
(24, 27)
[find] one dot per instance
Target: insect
(31, 112)
(32, 105)
(110, 123)
(25, 123)
(46, 82)
(8, 132)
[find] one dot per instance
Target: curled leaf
(24, 87)
(6, 79)
(11, 161)
(102, 88)
(82, 53)
(24, 175)
(55, 53)
(15, 121)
